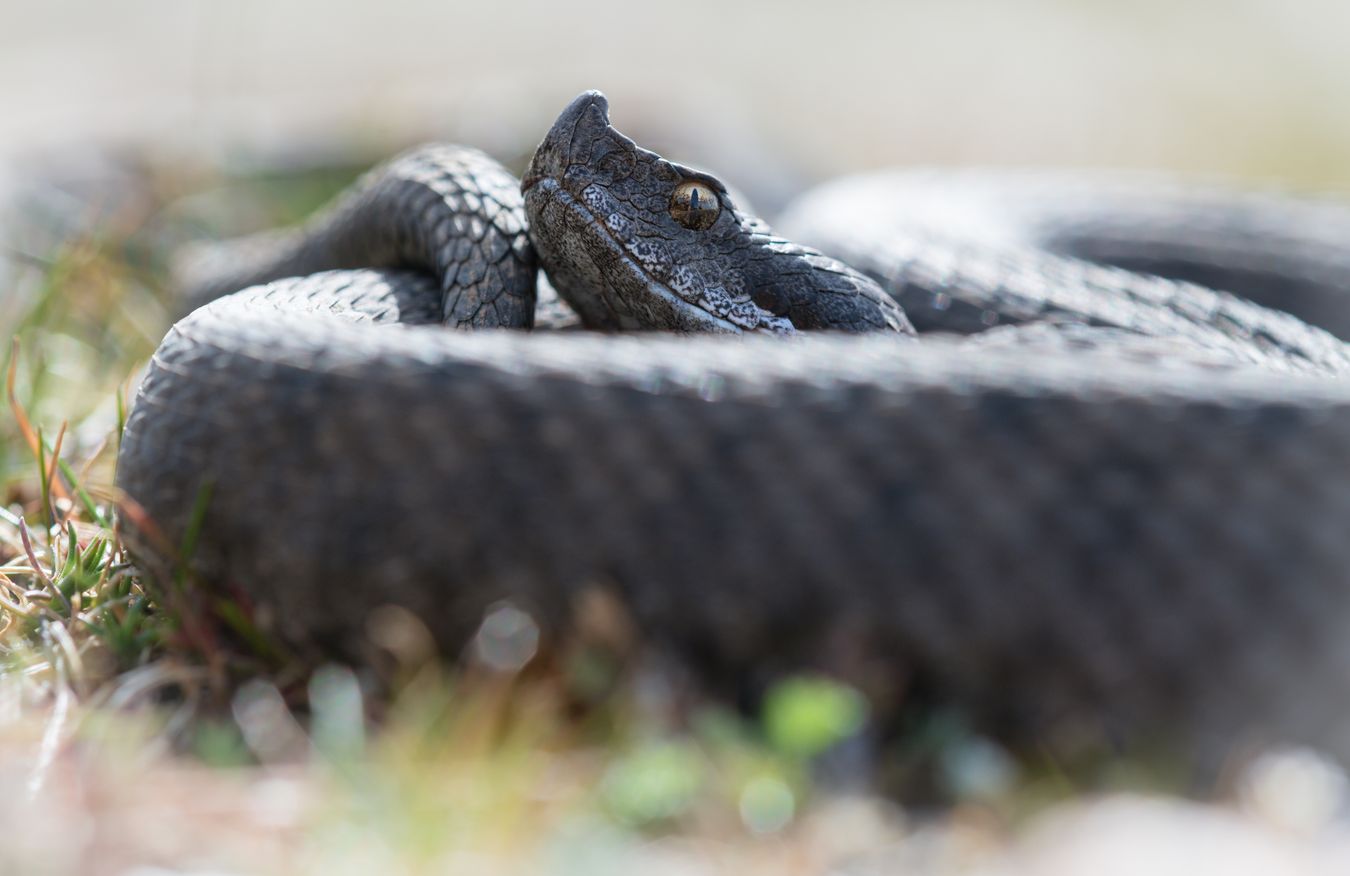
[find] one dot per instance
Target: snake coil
(1083, 499)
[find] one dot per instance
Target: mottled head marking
(634, 241)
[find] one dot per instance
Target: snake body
(1082, 502)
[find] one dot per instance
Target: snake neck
(450, 212)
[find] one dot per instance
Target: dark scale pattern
(965, 252)
(448, 211)
(1034, 532)
(1070, 531)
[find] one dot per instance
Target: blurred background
(1255, 88)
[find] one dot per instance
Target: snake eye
(695, 205)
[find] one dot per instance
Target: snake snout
(568, 141)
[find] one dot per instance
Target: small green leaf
(804, 716)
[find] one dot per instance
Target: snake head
(634, 241)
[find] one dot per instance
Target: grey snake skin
(1089, 505)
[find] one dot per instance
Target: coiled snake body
(1121, 502)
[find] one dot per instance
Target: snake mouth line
(706, 321)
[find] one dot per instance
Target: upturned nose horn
(588, 109)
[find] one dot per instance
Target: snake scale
(1032, 464)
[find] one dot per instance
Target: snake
(1063, 450)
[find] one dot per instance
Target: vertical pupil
(694, 205)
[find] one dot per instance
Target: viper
(1027, 440)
